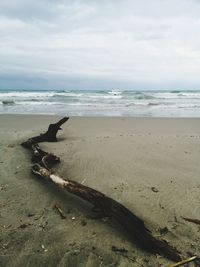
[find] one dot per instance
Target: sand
(150, 165)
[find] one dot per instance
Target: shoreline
(122, 157)
(97, 116)
(156, 103)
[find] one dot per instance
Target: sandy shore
(150, 165)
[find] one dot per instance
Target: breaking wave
(116, 102)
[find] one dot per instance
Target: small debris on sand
(60, 211)
(121, 250)
(30, 214)
(163, 230)
(154, 189)
(11, 145)
(44, 249)
(24, 225)
(83, 223)
(2, 187)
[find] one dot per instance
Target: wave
(175, 92)
(189, 106)
(143, 96)
(115, 92)
(148, 104)
(62, 91)
(154, 104)
(8, 102)
(89, 102)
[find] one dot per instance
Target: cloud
(28, 9)
(97, 43)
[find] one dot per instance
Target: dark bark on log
(45, 159)
(107, 206)
(49, 136)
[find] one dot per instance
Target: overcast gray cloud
(94, 44)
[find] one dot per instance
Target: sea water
(177, 103)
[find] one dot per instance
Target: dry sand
(124, 158)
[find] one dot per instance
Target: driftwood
(62, 215)
(48, 136)
(105, 206)
(194, 258)
(196, 221)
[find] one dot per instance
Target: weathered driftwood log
(107, 206)
(49, 136)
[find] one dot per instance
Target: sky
(100, 44)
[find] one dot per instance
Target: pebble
(154, 189)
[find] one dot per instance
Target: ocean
(179, 103)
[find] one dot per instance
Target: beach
(150, 165)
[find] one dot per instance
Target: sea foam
(178, 103)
